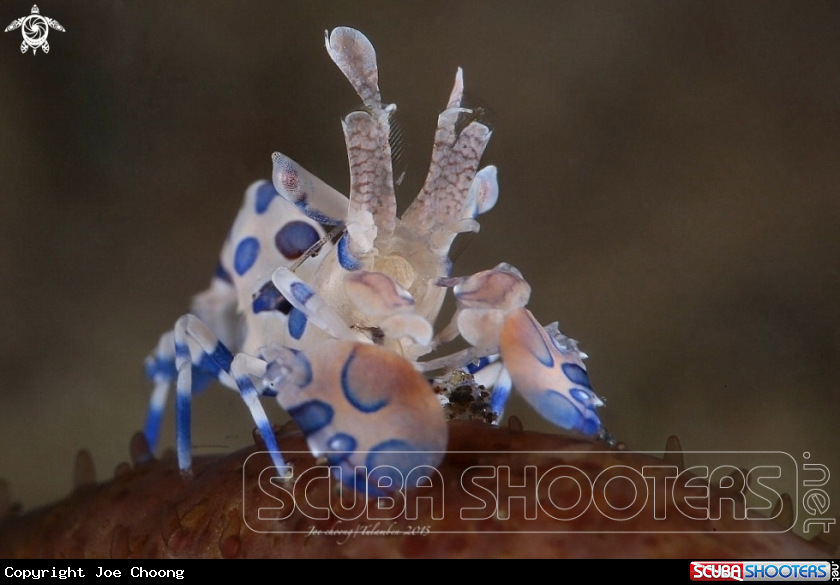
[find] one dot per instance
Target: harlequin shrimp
(333, 324)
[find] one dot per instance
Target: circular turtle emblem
(35, 29)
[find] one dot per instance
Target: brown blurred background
(669, 186)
